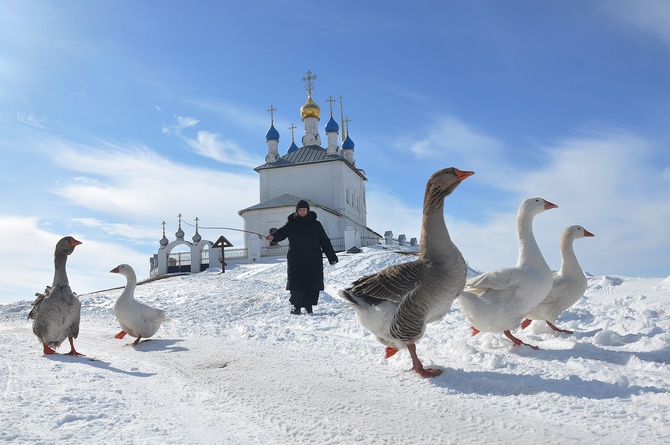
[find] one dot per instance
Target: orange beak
(587, 233)
(115, 270)
(74, 242)
(549, 205)
(461, 175)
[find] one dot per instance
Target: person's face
(302, 212)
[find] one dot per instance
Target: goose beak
(549, 205)
(74, 242)
(115, 270)
(461, 175)
(587, 233)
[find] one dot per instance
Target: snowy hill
(234, 367)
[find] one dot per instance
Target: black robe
(307, 240)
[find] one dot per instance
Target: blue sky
(116, 116)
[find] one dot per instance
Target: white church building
(326, 177)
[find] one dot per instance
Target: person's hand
(333, 262)
(269, 238)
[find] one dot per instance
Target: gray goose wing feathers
(397, 285)
(391, 284)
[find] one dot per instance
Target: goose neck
(60, 272)
(528, 248)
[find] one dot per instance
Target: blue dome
(272, 134)
(332, 126)
(348, 144)
(292, 148)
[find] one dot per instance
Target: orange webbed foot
(120, 335)
(526, 323)
(428, 372)
(390, 351)
(518, 342)
(47, 349)
(557, 329)
(73, 351)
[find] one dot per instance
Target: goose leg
(526, 323)
(475, 331)
(136, 342)
(518, 342)
(556, 329)
(418, 366)
(390, 351)
(47, 349)
(120, 334)
(72, 350)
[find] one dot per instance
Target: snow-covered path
(234, 367)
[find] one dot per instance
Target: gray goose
(569, 283)
(396, 303)
(56, 313)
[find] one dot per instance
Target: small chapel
(326, 177)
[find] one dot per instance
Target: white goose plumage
(569, 283)
(497, 301)
(56, 312)
(136, 319)
(396, 303)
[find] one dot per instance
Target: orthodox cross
(330, 100)
(292, 127)
(309, 81)
(272, 110)
(196, 223)
(346, 122)
(163, 224)
(342, 117)
(179, 216)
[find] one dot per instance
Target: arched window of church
(347, 196)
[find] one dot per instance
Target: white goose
(497, 301)
(136, 319)
(396, 303)
(56, 312)
(569, 283)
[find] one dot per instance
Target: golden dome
(310, 109)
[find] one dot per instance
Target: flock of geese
(394, 304)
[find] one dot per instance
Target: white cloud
(650, 16)
(604, 182)
(30, 119)
(388, 212)
(30, 261)
(210, 145)
(453, 137)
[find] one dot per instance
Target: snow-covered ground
(234, 367)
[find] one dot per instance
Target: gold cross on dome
(309, 81)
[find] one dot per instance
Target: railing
(275, 250)
(179, 262)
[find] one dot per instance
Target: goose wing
(501, 279)
(150, 314)
(391, 284)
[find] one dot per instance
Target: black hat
(302, 204)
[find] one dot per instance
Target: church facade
(326, 177)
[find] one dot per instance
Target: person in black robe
(307, 240)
